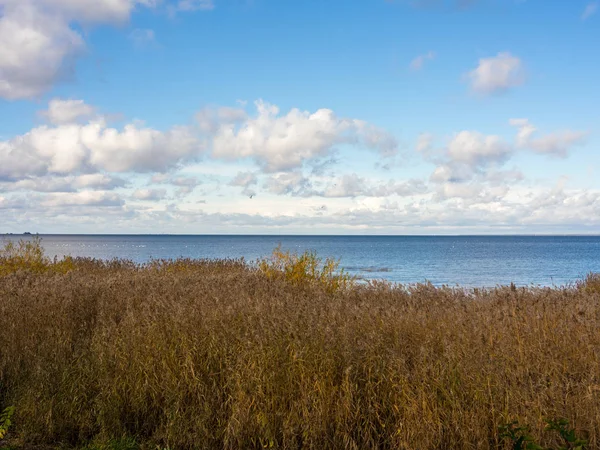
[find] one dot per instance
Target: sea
(468, 261)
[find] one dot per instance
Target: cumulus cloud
(210, 120)
(186, 185)
(349, 185)
(467, 154)
(353, 185)
(471, 164)
(475, 149)
(83, 198)
(245, 180)
(424, 143)
(556, 144)
(185, 181)
(452, 172)
(285, 142)
(75, 166)
(419, 61)
(149, 194)
(64, 184)
(37, 49)
(292, 183)
(70, 148)
(496, 74)
(590, 9)
(40, 41)
(468, 168)
(64, 111)
(346, 186)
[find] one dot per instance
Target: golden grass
(221, 354)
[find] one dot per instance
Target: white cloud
(353, 185)
(211, 119)
(90, 11)
(98, 180)
(276, 142)
(185, 181)
(36, 49)
(346, 186)
(69, 148)
(73, 168)
(285, 142)
(186, 185)
(468, 166)
(497, 74)
(137, 149)
(149, 194)
(244, 179)
(465, 210)
(39, 41)
(590, 9)
(292, 183)
(350, 185)
(424, 143)
(61, 111)
(452, 172)
(419, 61)
(83, 198)
(475, 149)
(472, 193)
(64, 184)
(159, 178)
(557, 144)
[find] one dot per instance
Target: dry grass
(200, 354)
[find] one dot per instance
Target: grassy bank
(198, 354)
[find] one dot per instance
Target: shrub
(29, 255)
(6, 421)
(306, 268)
(521, 439)
(590, 284)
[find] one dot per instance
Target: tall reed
(222, 354)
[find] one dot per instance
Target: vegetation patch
(287, 353)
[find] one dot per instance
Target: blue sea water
(465, 260)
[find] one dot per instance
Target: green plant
(519, 436)
(521, 439)
(572, 442)
(6, 421)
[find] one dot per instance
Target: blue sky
(262, 116)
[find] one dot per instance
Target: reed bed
(193, 354)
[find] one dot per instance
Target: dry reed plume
(221, 354)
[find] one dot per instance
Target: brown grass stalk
(221, 354)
